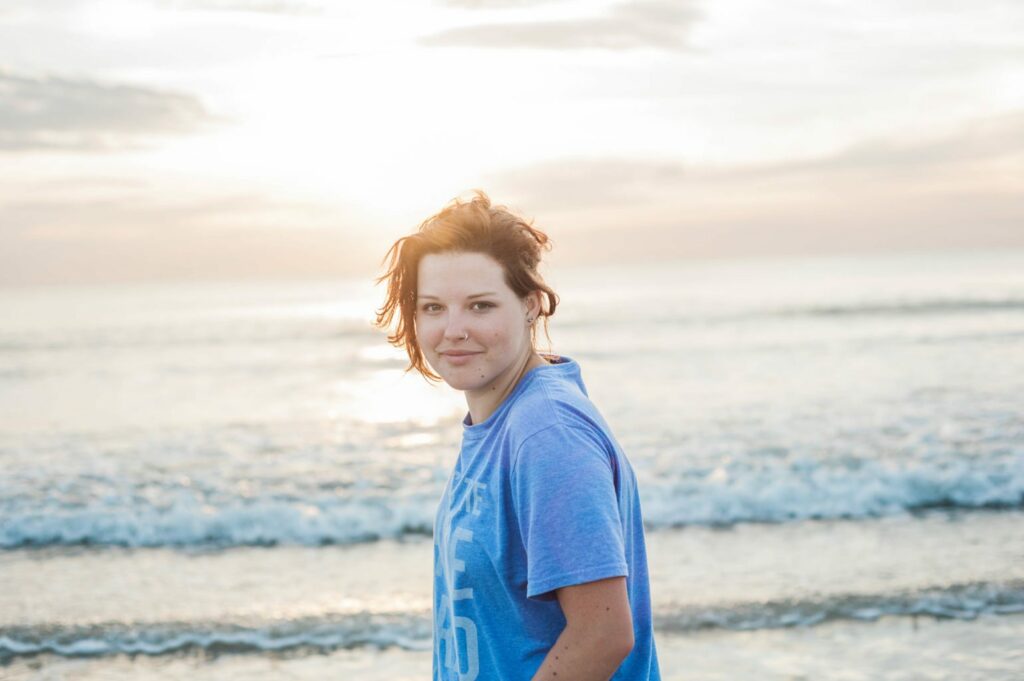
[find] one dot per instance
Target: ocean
(227, 480)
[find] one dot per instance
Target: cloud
(263, 6)
(961, 190)
(981, 139)
(112, 208)
(954, 221)
(135, 233)
(661, 24)
(573, 183)
(74, 114)
(494, 4)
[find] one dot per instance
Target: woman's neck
(481, 406)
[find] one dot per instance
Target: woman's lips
(459, 360)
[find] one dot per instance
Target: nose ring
(466, 337)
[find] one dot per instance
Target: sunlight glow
(389, 396)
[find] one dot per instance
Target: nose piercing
(466, 337)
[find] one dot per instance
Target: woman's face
(448, 307)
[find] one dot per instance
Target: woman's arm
(598, 634)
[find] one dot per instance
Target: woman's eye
(428, 307)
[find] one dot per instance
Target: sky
(218, 139)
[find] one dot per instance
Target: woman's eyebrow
(475, 295)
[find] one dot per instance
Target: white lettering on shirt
(448, 624)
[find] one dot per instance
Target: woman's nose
(455, 329)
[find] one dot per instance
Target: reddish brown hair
(473, 226)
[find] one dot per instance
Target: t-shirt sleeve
(563, 491)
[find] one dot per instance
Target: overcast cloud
(661, 24)
(158, 138)
(53, 112)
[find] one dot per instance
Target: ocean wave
(908, 307)
(412, 630)
(958, 601)
(805, 489)
(680, 315)
(191, 523)
(771, 492)
(198, 335)
(315, 634)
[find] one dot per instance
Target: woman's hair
(473, 226)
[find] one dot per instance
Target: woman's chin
(454, 380)
(461, 380)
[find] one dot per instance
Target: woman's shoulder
(556, 434)
(552, 403)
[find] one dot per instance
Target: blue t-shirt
(541, 497)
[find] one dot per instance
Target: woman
(540, 565)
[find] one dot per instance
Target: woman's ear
(533, 305)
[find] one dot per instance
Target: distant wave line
(412, 630)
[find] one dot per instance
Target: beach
(238, 480)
